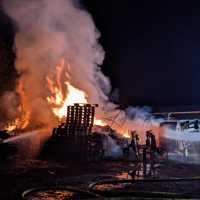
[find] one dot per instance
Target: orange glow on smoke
(126, 134)
(18, 123)
(99, 122)
(22, 121)
(59, 101)
(11, 126)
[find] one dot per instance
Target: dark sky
(152, 50)
(7, 55)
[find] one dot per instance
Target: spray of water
(30, 143)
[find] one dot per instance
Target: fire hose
(93, 187)
(94, 193)
(57, 192)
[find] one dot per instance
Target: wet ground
(19, 175)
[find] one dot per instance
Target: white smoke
(186, 136)
(111, 148)
(9, 100)
(51, 30)
(182, 145)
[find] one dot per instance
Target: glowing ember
(59, 101)
(10, 127)
(99, 122)
(18, 123)
(126, 135)
(74, 96)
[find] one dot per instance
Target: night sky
(152, 50)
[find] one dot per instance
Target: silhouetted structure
(79, 121)
(73, 139)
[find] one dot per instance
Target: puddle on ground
(50, 195)
(57, 194)
(140, 173)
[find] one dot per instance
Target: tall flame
(59, 101)
(22, 121)
(126, 134)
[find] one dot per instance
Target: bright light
(59, 101)
(99, 122)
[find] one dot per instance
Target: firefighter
(144, 160)
(125, 148)
(196, 125)
(133, 144)
(187, 125)
(148, 139)
(153, 145)
(153, 150)
(137, 139)
(133, 134)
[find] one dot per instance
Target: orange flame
(59, 101)
(11, 126)
(74, 96)
(22, 121)
(126, 134)
(18, 123)
(99, 122)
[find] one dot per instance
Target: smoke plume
(50, 31)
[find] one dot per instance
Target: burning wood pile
(74, 139)
(64, 71)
